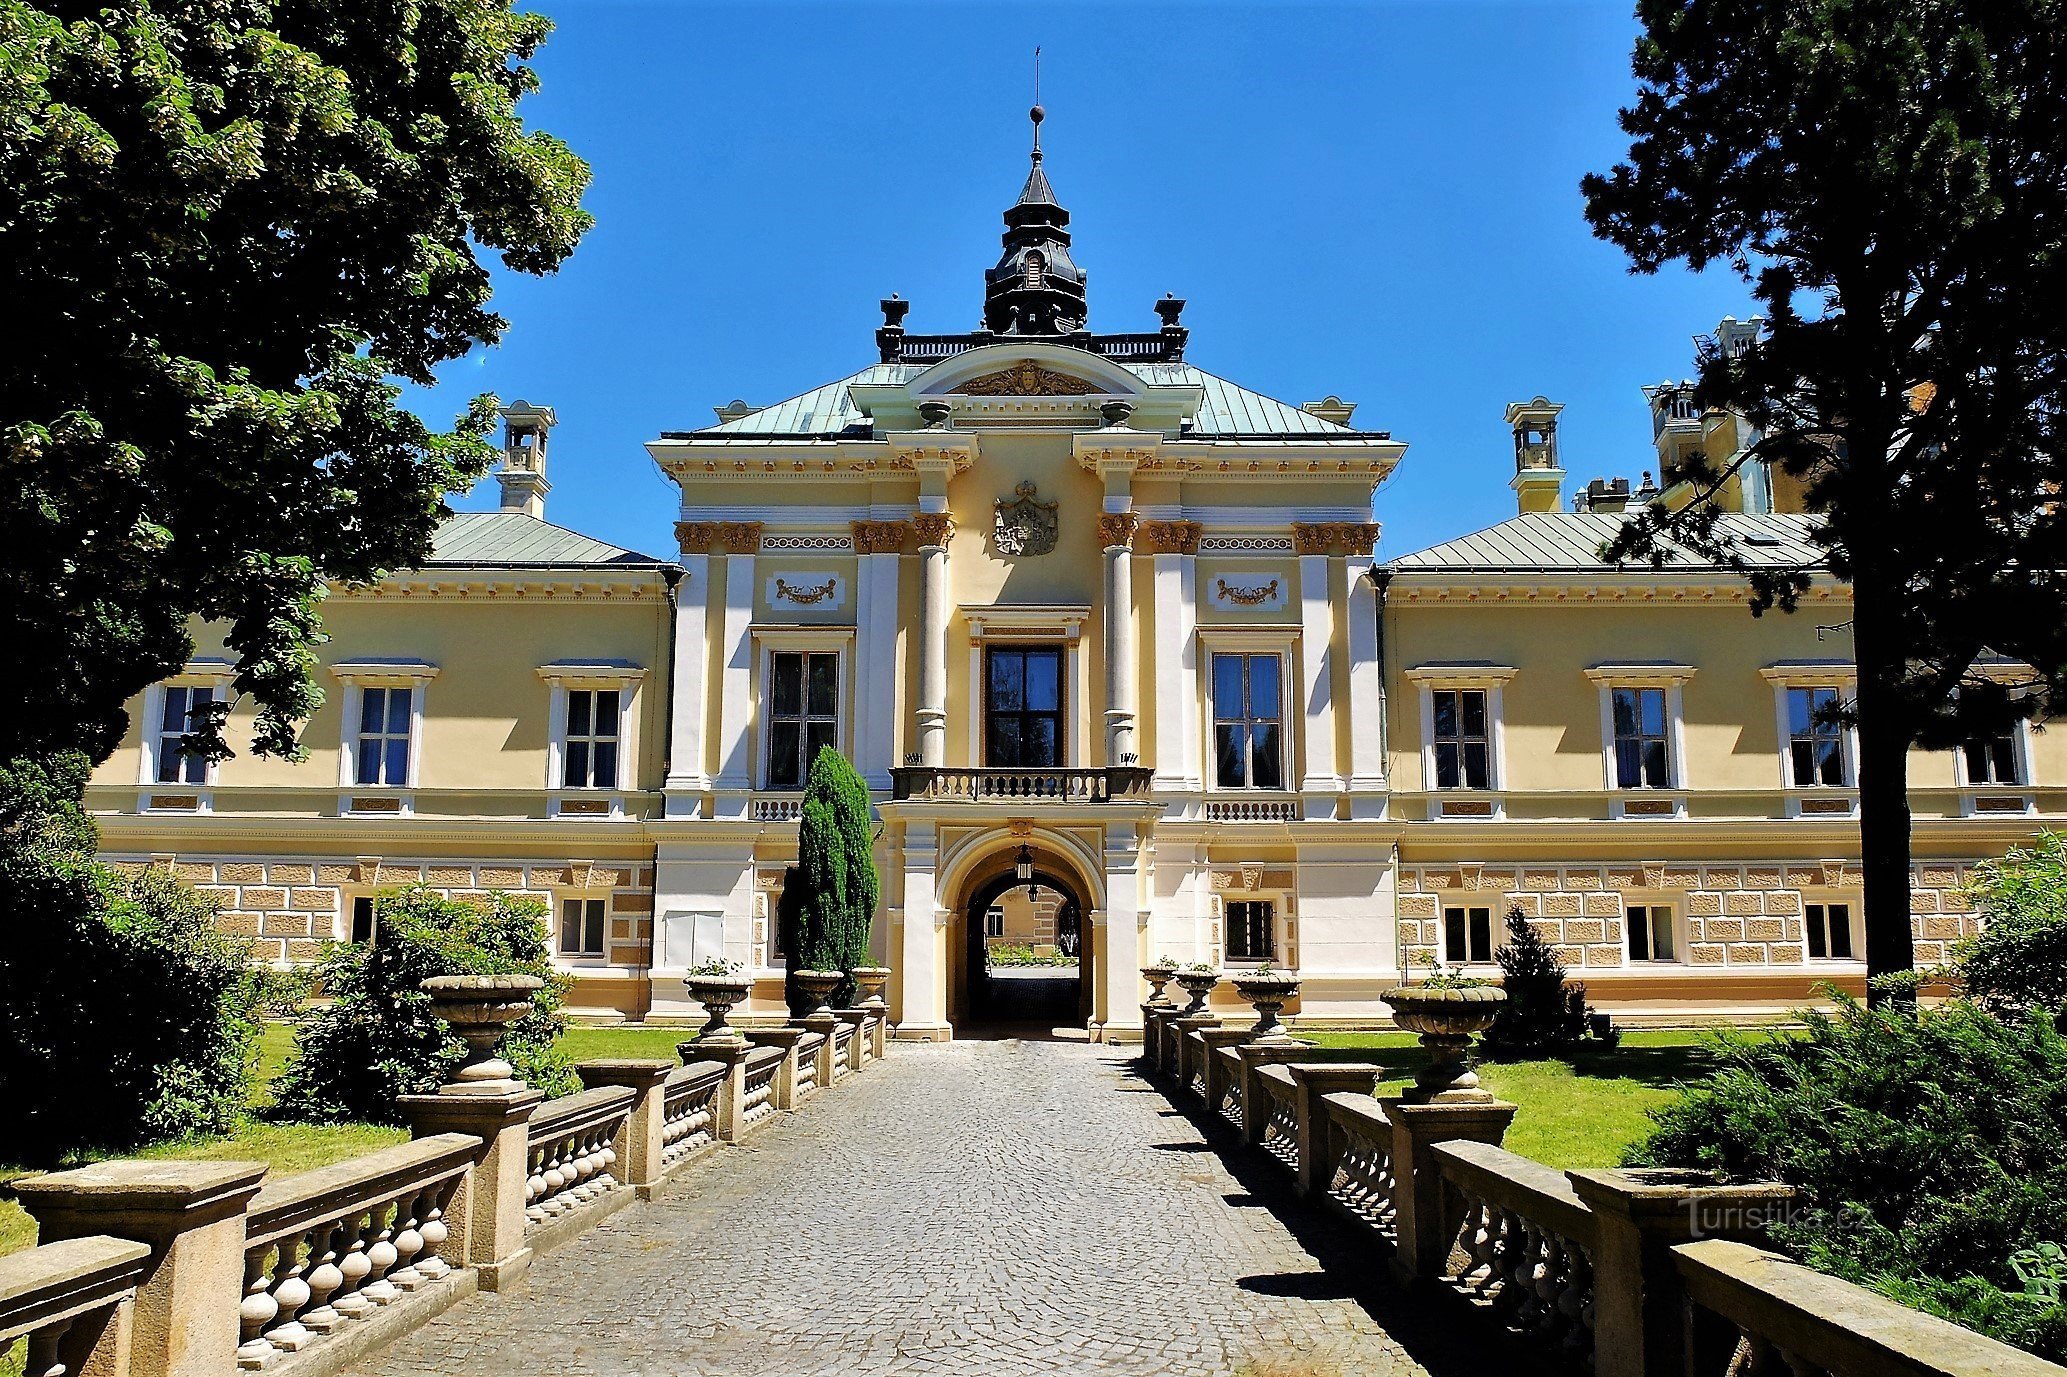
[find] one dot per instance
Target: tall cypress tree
(835, 876)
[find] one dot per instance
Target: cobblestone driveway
(981, 1208)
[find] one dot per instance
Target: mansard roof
(1571, 542)
(1226, 411)
(513, 540)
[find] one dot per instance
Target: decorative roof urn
(718, 992)
(869, 981)
(1268, 992)
(481, 1008)
(1199, 985)
(1446, 1018)
(818, 987)
(1158, 976)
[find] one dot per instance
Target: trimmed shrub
(2019, 959)
(835, 878)
(379, 1038)
(1544, 1015)
(1930, 1149)
(125, 1017)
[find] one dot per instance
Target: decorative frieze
(823, 544)
(1241, 544)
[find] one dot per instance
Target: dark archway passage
(1025, 1000)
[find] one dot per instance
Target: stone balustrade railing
(1621, 1273)
(807, 1063)
(572, 1146)
(170, 1268)
(73, 1301)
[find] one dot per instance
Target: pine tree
(835, 876)
(1542, 1016)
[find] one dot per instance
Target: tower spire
(1035, 289)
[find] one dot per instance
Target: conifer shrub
(379, 1038)
(1930, 1149)
(1544, 1015)
(2018, 961)
(125, 1017)
(834, 882)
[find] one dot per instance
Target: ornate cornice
(933, 528)
(1170, 537)
(881, 537)
(1335, 537)
(1116, 529)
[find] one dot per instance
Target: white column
(689, 697)
(736, 682)
(1116, 536)
(934, 530)
(1317, 696)
(1366, 706)
(875, 646)
(1117, 1001)
(1177, 677)
(922, 979)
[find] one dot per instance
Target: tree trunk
(1884, 740)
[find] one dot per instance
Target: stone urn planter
(718, 993)
(481, 1008)
(1267, 992)
(1446, 1019)
(869, 982)
(1199, 985)
(817, 987)
(1158, 976)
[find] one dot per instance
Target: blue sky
(1378, 201)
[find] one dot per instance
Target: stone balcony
(957, 784)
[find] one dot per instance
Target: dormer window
(1036, 269)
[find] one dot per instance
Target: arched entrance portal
(1024, 962)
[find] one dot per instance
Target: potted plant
(481, 1008)
(1197, 979)
(817, 987)
(1268, 990)
(1158, 974)
(718, 985)
(1446, 1010)
(869, 982)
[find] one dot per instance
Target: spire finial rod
(1037, 114)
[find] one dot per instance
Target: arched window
(1035, 268)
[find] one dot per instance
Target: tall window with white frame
(1992, 759)
(382, 751)
(1651, 934)
(1828, 929)
(1462, 745)
(1252, 930)
(1467, 935)
(594, 722)
(1248, 721)
(581, 928)
(1816, 739)
(186, 707)
(803, 713)
(1643, 751)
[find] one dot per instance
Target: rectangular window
(362, 920)
(1816, 740)
(1829, 929)
(1467, 935)
(186, 708)
(994, 922)
(589, 757)
(1651, 933)
(1248, 722)
(581, 927)
(1461, 752)
(1642, 758)
(1990, 760)
(1022, 707)
(1252, 930)
(803, 713)
(383, 744)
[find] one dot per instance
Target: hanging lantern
(1022, 867)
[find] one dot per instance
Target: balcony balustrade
(953, 784)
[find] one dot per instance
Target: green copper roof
(514, 540)
(1572, 541)
(1227, 410)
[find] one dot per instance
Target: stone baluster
(641, 1143)
(783, 1090)
(324, 1278)
(1320, 1143)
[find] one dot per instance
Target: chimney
(1733, 336)
(1331, 408)
(522, 475)
(1603, 496)
(1539, 479)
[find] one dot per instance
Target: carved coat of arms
(1026, 525)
